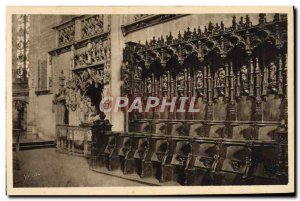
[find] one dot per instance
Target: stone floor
(48, 168)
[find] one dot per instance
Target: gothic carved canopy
(245, 59)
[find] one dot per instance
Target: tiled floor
(48, 168)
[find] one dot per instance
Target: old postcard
(150, 100)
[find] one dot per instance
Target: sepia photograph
(150, 101)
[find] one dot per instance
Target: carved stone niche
(219, 96)
(245, 92)
(126, 153)
(143, 155)
(111, 151)
(161, 158)
(237, 165)
(180, 160)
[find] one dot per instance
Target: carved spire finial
(233, 22)
(179, 35)
(241, 22)
(199, 31)
(262, 19)
(222, 26)
(169, 38)
(162, 39)
(248, 22)
(210, 26)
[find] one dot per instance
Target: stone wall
(41, 116)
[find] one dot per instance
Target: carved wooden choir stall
(237, 74)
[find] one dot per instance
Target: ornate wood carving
(144, 20)
(66, 35)
(92, 25)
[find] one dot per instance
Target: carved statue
(125, 74)
(164, 82)
(96, 76)
(81, 60)
(199, 79)
(138, 73)
(220, 81)
(245, 79)
(180, 83)
(272, 76)
(221, 77)
(149, 85)
(89, 53)
(88, 112)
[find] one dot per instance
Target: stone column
(117, 45)
(31, 107)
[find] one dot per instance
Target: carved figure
(220, 81)
(245, 79)
(149, 85)
(199, 79)
(138, 73)
(272, 76)
(164, 82)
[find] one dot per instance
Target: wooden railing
(75, 140)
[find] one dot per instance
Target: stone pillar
(31, 107)
(117, 45)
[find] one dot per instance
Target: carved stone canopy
(242, 37)
(83, 91)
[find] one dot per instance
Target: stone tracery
(92, 25)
